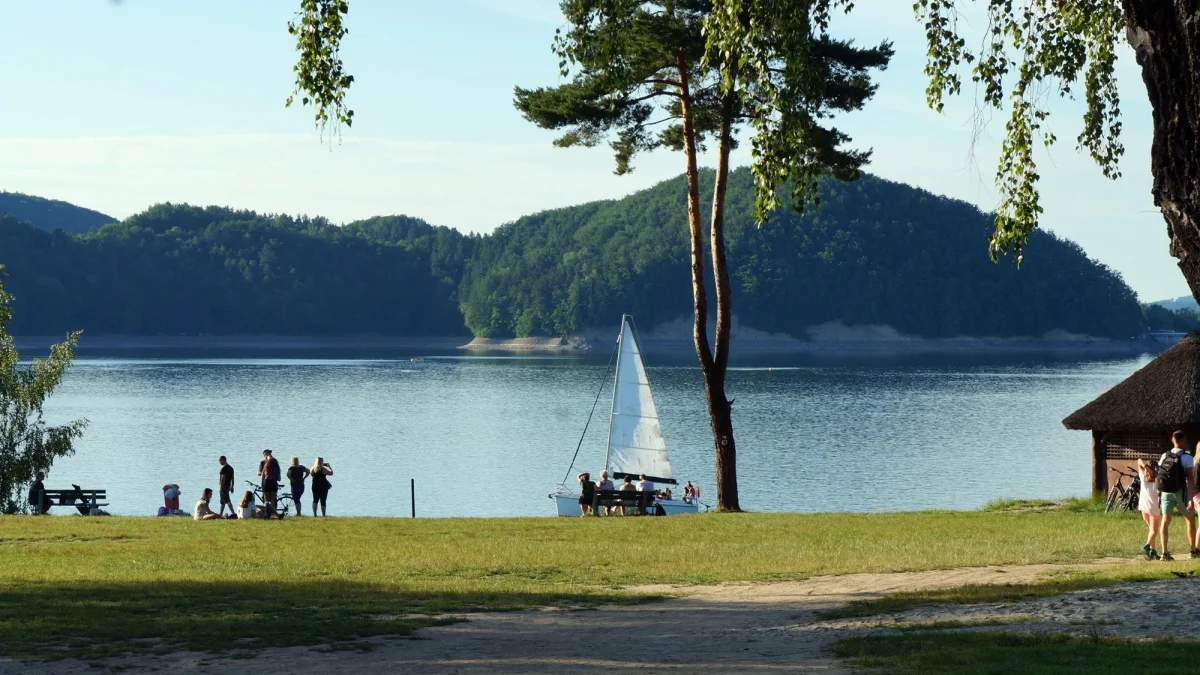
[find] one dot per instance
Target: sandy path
(734, 628)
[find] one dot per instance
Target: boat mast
(616, 379)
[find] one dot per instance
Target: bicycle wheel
(283, 504)
(1112, 498)
(1131, 500)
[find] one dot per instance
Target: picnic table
(83, 500)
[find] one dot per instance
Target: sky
(120, 105)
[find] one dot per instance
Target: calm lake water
(491, 436)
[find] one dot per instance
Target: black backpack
(1170, 474)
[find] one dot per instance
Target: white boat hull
(568, 505)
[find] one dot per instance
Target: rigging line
(603, 381)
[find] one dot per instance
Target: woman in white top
(1149, 506)
(248, 509)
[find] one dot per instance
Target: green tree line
(874, 252)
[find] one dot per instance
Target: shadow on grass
(97, 620)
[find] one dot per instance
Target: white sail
(635, 441)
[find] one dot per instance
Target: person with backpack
(1175, 481)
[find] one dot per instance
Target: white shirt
(248, 511)
(1148, 499)
(202, 509)
(645, 486)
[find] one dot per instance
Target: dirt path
(734, 628)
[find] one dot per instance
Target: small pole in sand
(412, 486)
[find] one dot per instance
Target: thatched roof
(1162, 396)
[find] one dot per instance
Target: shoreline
(577, 345)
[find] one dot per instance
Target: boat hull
(568, 505)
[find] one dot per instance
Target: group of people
(1169, 488)
(644, 486)
(270, 478)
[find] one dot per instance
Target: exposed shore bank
(743, 344)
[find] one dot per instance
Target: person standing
(320, 483)
(39, 503)
(268, 471)
(587, 493)
(296, 475)
(226, 486)
(203, 511)
(1149, 505)
(1176, 477)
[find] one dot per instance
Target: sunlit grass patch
(941, 653)
(94, 586)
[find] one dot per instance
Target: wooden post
(412, 488)
(1099, 463)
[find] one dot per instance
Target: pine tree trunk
(1165, 35)
(720, 409)
(712, 369)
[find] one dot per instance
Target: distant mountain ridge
(1182, 302)
(876, 253)
(52, 214)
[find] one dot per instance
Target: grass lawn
(1009, 654)
(93, 586)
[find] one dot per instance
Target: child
(1149, 506)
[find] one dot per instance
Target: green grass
(1071, 504)
(90, 587)
(960, 624)
(1064, 582)
(1010, 654)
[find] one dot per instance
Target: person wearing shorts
(1179, 501)
(268, 469)
(226, 486)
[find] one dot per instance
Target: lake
(492, 436)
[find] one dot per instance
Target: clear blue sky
(117, 106)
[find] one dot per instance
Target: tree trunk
(714, 373)
(719, 407)
(1165, 34)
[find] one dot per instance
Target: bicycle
(283, 500)
(1124, 497)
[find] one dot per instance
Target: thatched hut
(1137, 417)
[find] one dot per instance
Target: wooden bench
(82, 500)
(627, 498)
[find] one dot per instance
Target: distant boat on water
(636, 445)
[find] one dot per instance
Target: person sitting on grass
(1148, 504)
(248, 509)
(203, 511)
(1176, 476)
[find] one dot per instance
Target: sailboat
(635, 441)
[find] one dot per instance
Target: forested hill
(50, 214)
(183, 270)
(875, 252)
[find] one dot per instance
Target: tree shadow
(95, 619)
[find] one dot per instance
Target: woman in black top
(296, 475)
(587, 494)
(320, 483)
